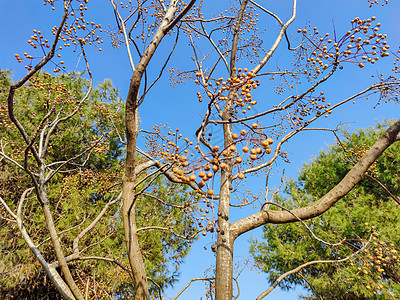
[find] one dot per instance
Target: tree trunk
(128, 198)
(224, 267)
(132, 242)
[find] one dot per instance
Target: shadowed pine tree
(368, 214)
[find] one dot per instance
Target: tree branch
(283, 276)
(328, 200)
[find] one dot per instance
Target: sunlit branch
(64, 231)
(279, 21)
(50, 271)
(117, 131)
(21, 201)
(43, 145)
(158, 170)
(128, 49)
(7, 219)
(283, 276)
(144, 166)
(8, 209)
(169, 230)
(75, 246)
(162, 4)
(36, 133)
(318, 207)
(235, 39)
(4, 155)
(131, 14)
(190, 282)
(304, 224)
(160, 200)
(180, 16)
(63, 163)
(278, 39)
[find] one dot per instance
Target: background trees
(367, 213)
(242, 132)
(78, 194)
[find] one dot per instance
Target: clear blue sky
(178, 107)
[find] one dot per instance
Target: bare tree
(233, 140)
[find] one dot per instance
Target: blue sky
(177, 105)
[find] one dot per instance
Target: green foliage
(366, 217)
(79, 192)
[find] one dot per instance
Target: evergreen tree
(78, 193)
(366, 219)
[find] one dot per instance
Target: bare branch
(271, 51)
(35, 69)
(8, 209)
(303, 127)
(304, 224)
(394, 197)
(64, 231)
(169, 230)
(180, 16)
(328, 200)
(75, 246)
(190, 282)
(283, 276)
(160, 200)
(128, 49)
(45, 138)
(4, 155)
(279, 21)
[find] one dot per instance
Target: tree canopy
(367, 218)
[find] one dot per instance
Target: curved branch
(279, 21)
(35, 69)
(291, 134)
(169, 230)
(161, 201)
(128, 49)
(278, 39)
(190, 282)
(75, 246)
(394, 197)
(283, 276)
(304, 224)
(328, 200)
